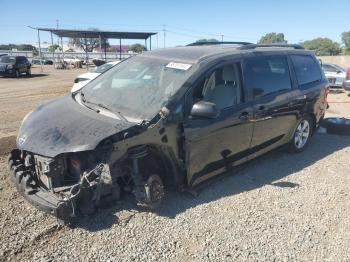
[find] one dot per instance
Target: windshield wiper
(85, 102)
(111, 110)
(100, 105)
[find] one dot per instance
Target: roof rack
(253, 46)
(219, 43)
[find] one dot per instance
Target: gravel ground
(279, 207)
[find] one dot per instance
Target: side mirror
(338, 72)
(204, 109)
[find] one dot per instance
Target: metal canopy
(73, 33)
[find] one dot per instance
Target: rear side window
(306, 69)
(266, 75)
(329, 68)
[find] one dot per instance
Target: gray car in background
(337, 76)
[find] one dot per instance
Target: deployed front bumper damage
(61, 202)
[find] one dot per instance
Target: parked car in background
(168, 118)
(14, 66)
(44, 61)
(337, 76)
(85, 78)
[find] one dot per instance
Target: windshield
(102, 68)
(138, 87)
(7, 59)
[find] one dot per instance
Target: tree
(322, 46)
(345, 37)
(90, 44)
(205, 40)
(21, 47)
(272, 38)
(25, 47)
(137, 48)
(53, 48)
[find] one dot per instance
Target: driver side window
(223, 86)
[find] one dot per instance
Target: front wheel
(301, 135)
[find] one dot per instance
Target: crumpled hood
(62, 125)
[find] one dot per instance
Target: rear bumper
(39, 197)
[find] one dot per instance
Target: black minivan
(169, 117)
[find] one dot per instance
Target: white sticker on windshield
(179, 66)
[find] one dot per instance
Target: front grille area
(2, 68)
(49, 171)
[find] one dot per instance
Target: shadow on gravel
(7, 144)
(36, 75)
(25, 76)
(257, 173)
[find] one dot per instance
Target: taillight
(348, 74)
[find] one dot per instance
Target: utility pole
(58, 39)
(164, 34)
(41, 59)
(222, 38)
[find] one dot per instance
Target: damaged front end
(76, 184)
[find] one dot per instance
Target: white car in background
(85, 78)
(72, 60)
(337, 76)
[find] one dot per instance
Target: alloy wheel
(302, 134)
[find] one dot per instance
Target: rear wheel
(301, 135)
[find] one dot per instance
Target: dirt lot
(19, 96)
(279, 207)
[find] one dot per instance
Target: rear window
(266, 75)
(306, 69)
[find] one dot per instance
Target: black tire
(302, 134)
(17, 73)
(29, 72)
(336, 125)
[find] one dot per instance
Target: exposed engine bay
(75, 184)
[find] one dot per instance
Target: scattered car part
(98, 62)
(336, 125)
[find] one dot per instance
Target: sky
(184, 21)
